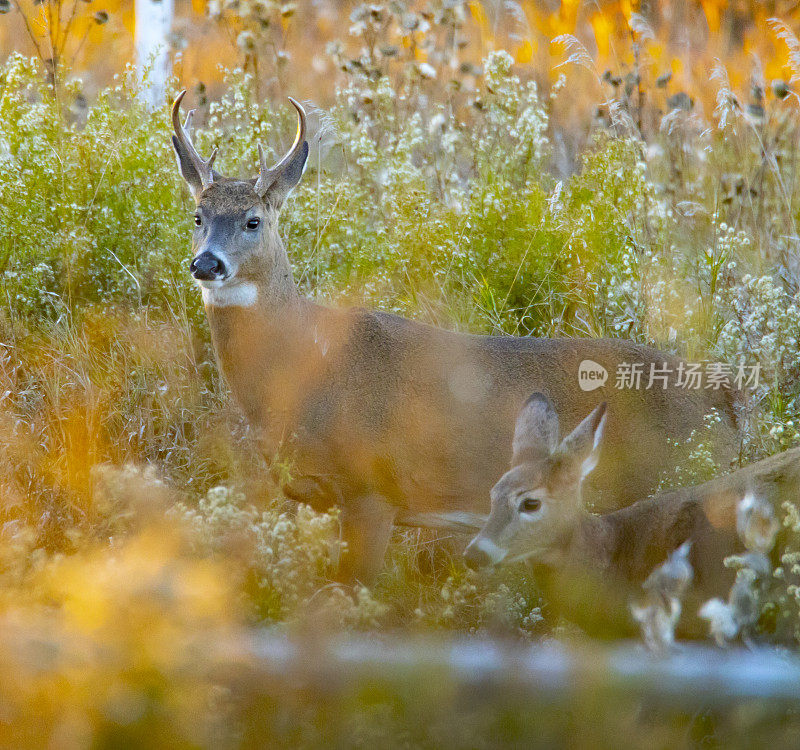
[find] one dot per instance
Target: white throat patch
(234, 294)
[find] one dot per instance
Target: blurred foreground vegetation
(140, 530)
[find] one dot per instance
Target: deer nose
(475, 557)
(206, 267)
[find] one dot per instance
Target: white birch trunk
(151, 42)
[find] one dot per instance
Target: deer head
(236, 246)
(537, 503)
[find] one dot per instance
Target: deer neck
(260, 330)
(587, 541)
(593, 541)
(277, 291)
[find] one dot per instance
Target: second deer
(590, 564)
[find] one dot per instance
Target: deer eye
(530, 505)
(197, 220)
(253, 223)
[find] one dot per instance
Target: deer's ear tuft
(536, 430)
(287, 178)
(187, 169)
(273, 184)
(581, 448)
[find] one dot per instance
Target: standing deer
(588, 564)
(385, 416)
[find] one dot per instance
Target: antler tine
(267, 176)
(210, 163)
(202, 166)
(301, 125)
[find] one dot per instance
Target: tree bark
(151, 42)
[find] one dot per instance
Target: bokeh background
(531, 168)
(287, 44)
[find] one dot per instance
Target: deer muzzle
(482, 552)
(207, 267)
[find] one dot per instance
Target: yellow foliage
(603, 30)
(712, 10)
(524, 52)
(479, 14)
(147, 582)
(689, 36)
(116, 642)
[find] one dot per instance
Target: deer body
(629, 545)
(382, 415)
(370, 402)
(590, 565)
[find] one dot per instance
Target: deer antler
(266, 177)
(202, 166)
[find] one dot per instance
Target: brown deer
(590, 565)
(385, 416)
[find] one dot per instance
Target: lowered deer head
(237, 251)
(537, 504)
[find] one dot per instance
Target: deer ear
(198, 172)
(187, 169)
(581, 448)
(536, 430)
(288, 177)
